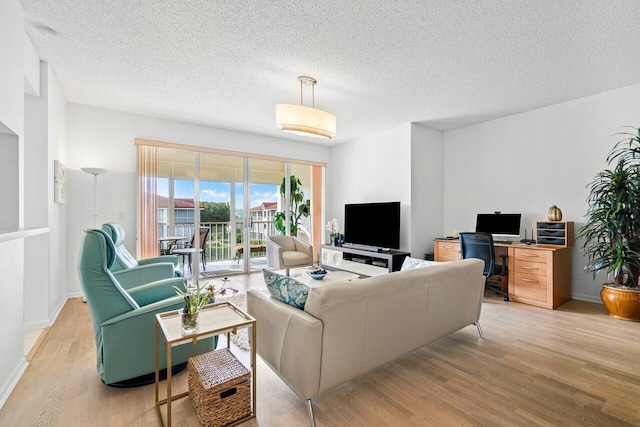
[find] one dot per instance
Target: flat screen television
(499, 225)
(372, 226)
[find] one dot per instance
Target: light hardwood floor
(571, 366)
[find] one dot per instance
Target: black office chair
(480, 245)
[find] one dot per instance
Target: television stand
(360, 261)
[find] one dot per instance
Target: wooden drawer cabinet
(446, 250)
(528, 267)
(530, 286)
(540, 275)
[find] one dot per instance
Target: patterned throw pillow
(411, 263)
(286, 289)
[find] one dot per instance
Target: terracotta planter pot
(621, 303)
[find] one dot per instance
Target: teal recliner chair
(148, 267)
(123, 311)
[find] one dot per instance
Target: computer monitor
(499, 225)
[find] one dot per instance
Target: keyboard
(503, 242)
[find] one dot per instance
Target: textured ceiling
(443, 63)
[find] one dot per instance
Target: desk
(538, 275)
(214, 319)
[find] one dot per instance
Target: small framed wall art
(59, 183)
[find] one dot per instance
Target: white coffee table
(331, 277)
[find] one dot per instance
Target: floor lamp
(95, 172)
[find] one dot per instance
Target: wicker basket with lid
(219, 388)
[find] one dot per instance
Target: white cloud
(215, 195)
(268, 196)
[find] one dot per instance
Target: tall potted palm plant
(299, 207)
(612, 230)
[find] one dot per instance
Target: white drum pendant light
(306, 121)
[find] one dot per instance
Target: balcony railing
(221, 243)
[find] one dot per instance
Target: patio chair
(189, 249)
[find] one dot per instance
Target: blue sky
(213, 191)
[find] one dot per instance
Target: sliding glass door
(261, 203)
(234, 202)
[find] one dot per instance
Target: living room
(512, 158)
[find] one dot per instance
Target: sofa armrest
(136, 276)
(173, 259)
(156, 291)
(302, 246)
(274, 254)
(127, 342)
(289, 341)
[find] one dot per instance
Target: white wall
(44, 142)
(31, 68)
(104, 138)
(375, 168)
(427, 188)
(32, 275)
(36, 280)
(11, 65)
(12, 362)
(527, 162)
(57, 214)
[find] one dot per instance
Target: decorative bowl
(316, 276)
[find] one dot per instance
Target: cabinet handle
(524, 267)
(449, 247)
(529, 255)
(529, 280)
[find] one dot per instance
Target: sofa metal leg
(312, 419)
(479, 330)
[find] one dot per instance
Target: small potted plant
(612, 231)
(196, 297)
(334, 230)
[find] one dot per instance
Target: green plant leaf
(612, 230)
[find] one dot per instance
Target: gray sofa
(347, 329)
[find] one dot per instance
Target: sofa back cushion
(375, 320)
(411, 263)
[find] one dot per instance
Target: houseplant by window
(299, 207)
(612, 231)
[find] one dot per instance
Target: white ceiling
(443, 63)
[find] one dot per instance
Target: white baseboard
(15, 376)
(588, 298)
(76, 295)
(36, 325)
(57, 310)
(41, 324)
